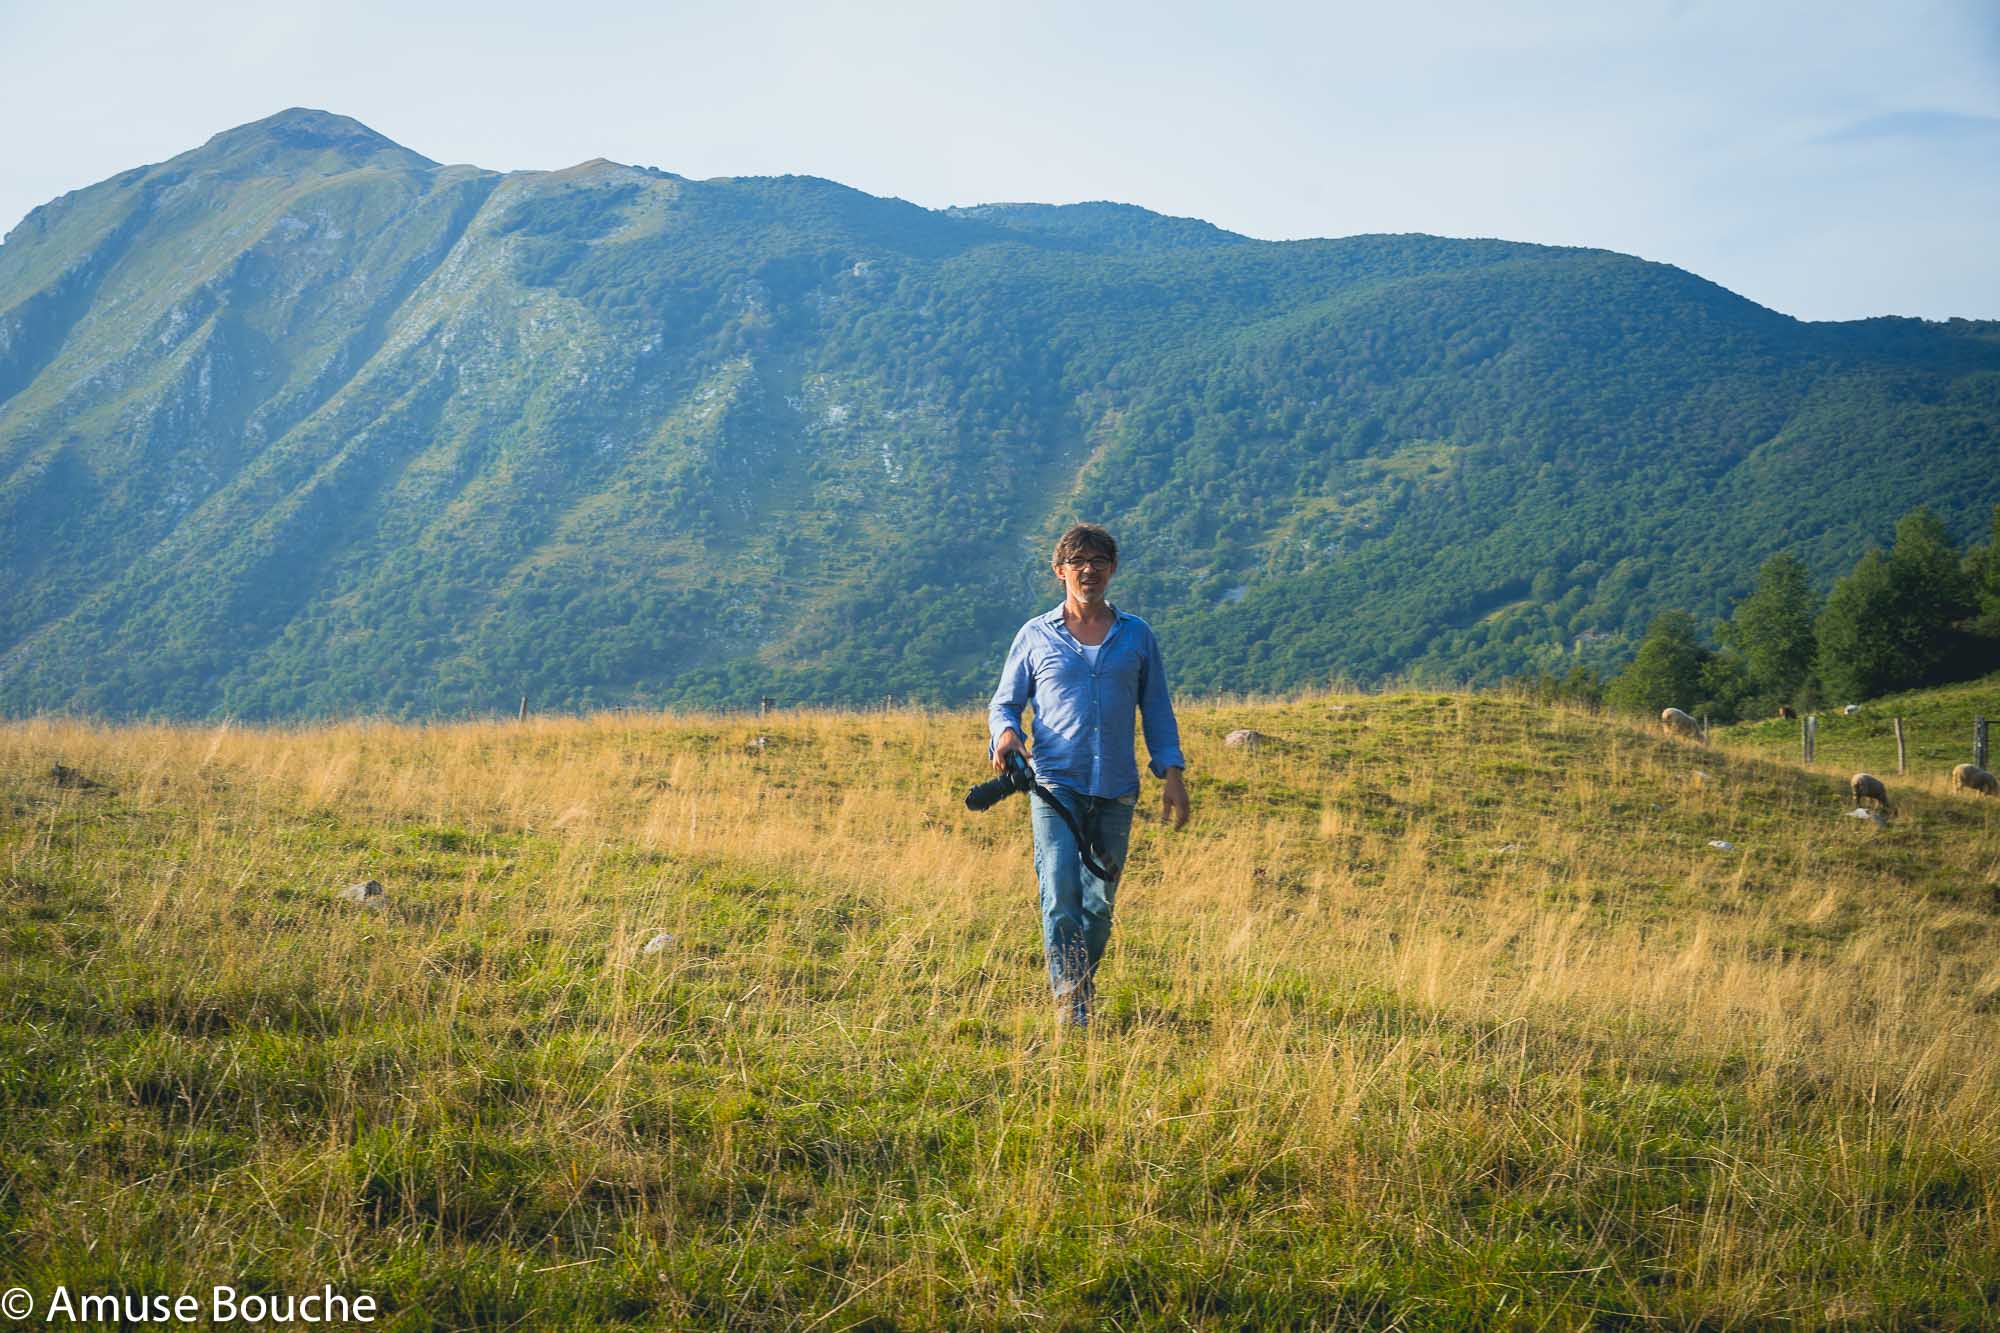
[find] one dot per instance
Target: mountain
(302, 422)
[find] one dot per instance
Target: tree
(1933, 588)
(1894, 622)
(1858, 651)
(1772, 628)
(1982, 566)
(1583, 685)
(1725, 686)
(1667, 672)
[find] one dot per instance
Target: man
(1087, 667)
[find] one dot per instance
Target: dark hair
(1086, 538)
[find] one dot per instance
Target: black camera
(1016, 776)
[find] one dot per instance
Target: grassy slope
(1443, 1012)
(1937, 733)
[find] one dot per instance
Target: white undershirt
(1090, 653)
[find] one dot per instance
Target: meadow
(1444, 1011)
(1937, 732)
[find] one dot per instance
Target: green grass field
(1443, 1012)
(1937, 733)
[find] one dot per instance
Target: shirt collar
(1055, 617)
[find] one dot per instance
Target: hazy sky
(1828, 160)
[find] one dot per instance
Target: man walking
(1087, 667)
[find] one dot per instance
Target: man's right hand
(1009, 741)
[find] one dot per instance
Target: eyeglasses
(1096, 562)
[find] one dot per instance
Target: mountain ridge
(280, 439)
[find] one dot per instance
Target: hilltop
(303, 423)
(1446, 1010)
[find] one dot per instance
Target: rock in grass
(69, 778)
(1721, 845)
(368, 893)
(1246, 740)
(660, 943)
(1874, 816)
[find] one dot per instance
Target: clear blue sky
(1829, 160)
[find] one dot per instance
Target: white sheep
(1868, 787)
(1973, 778)
(1676, 723)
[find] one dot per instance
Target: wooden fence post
(765, 705)
(524, 708)
(1807, 730)
(1901, 753)
(1979, 743)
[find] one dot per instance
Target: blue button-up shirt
(1083, 714)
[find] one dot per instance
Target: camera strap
(1082, 843)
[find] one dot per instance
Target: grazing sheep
(1788, 712)
(1868, 787)
(1850, 710)
(1971, 777)
(1676, 723)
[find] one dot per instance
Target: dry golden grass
(1442, 1011)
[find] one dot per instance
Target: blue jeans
(1076, 905)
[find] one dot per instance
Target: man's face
(1085, 575)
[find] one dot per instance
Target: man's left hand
(1174, 800)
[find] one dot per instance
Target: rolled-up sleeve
(1017, 686)
(1156, 712)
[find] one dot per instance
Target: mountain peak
(305, 133)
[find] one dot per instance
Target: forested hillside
(301, 422)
